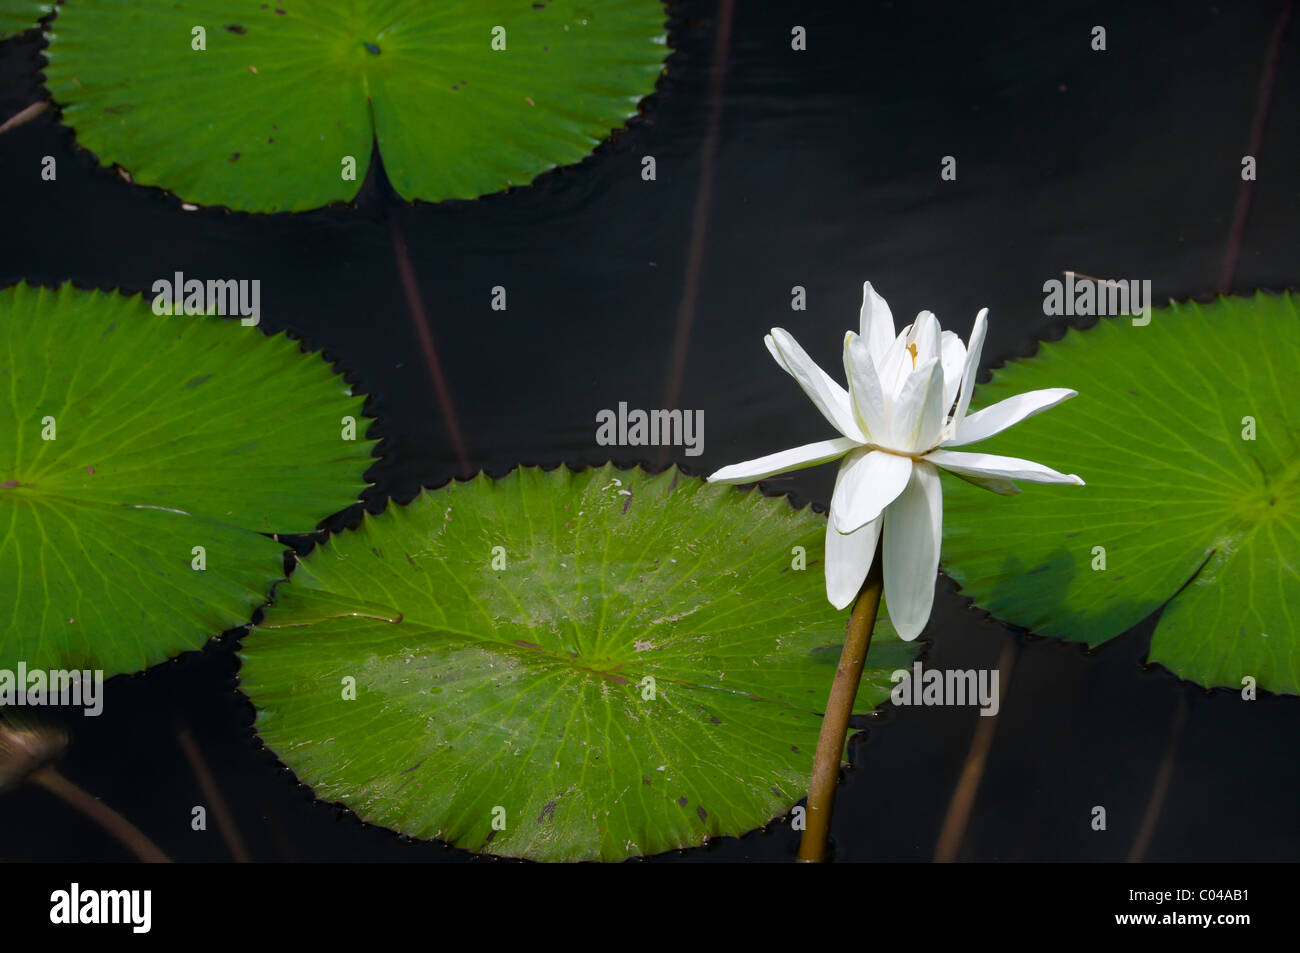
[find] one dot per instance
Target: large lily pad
(524, 688)
(1191, 514)
(263, 118)
(169, 433)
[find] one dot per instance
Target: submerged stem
(835, 723)
(101, 814)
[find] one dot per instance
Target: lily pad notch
(267, 108)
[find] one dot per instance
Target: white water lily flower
(905, 406)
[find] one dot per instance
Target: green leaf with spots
(1187, 432)
(127, 441)
(19, 15)
(610, 663)
(285, 98)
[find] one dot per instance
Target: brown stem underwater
(101, 814)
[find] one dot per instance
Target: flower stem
(101, 814)
(835, 723)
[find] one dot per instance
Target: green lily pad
(19, 15)
(266, 116)
(644, 673)
(127, 439)
(1187, 512)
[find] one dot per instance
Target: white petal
(934, 412)
(991, 465)
(897, 364)
(913, 528)
(809, 455)
(831, 399)
(998, 485)
(868, 481)
(1007, 413)
(925, 335)
(776, 355)
(848, 559)
(918, 343)
(917, 414)
(973, 348)
(952, 354)
(864, 388)
(877, 323)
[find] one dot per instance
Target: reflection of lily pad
(643, 674)
(19, 15)
(127, 440)
(267, 115)
(1176, 497)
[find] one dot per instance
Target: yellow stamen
(911, 349)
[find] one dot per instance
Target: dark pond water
(1121, 163)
